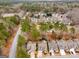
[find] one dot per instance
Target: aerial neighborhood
(39, 29)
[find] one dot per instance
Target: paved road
(13, 48)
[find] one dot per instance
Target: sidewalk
(6, 48)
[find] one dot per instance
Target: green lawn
(21, 51)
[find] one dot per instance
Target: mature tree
(35, 33)
(11, 22)
(55, 8)
(30, 29)
(72, 30)
(33, 8)
(56, 25)
(44, 27)
(4, 34)
(25, 25)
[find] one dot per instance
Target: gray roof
(74, 14)
(52, 45)
(42, 45)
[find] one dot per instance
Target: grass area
(21, 50)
